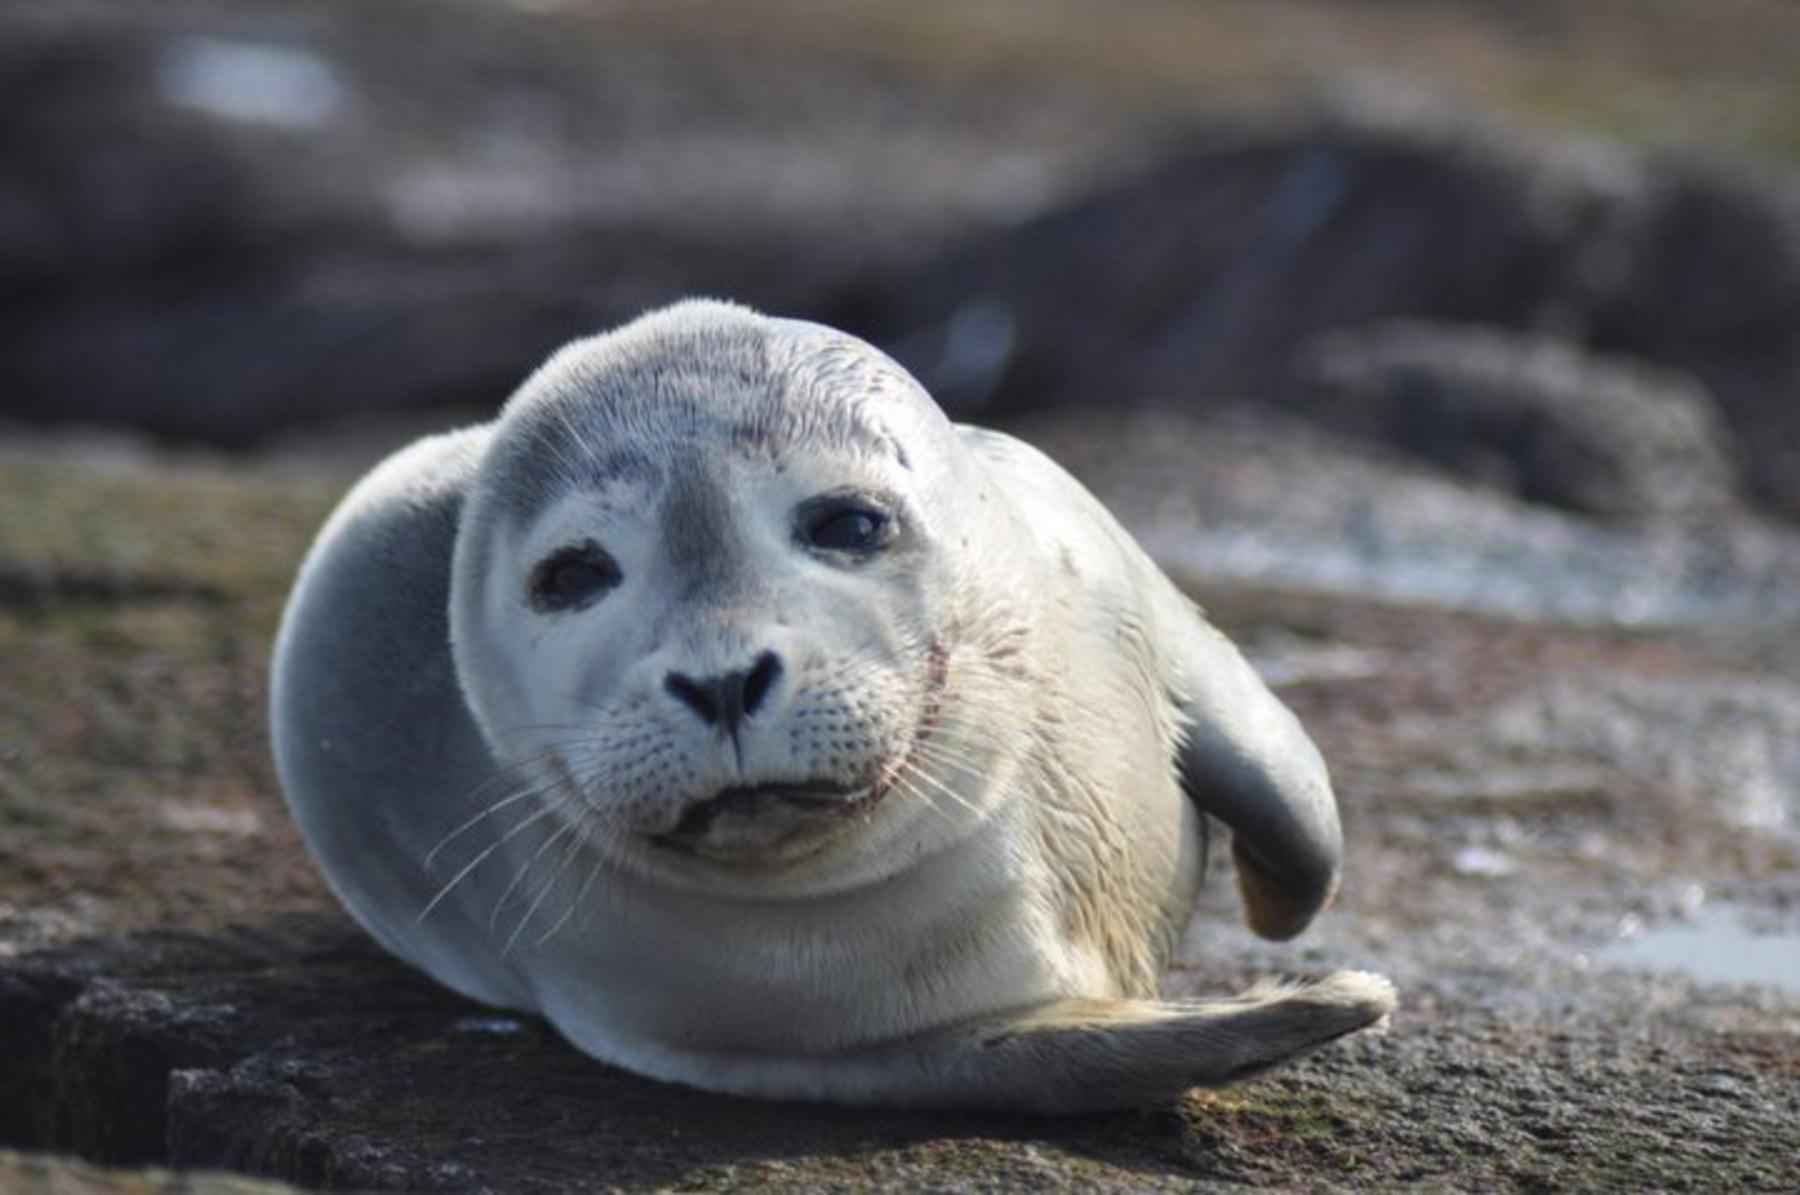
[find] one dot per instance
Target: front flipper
(1246, 760)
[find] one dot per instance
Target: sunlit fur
(1016, 720)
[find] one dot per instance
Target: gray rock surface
(298, 1050)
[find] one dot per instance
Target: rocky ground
(1521, 799)
(1481, 438)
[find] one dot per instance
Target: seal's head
(705, 597)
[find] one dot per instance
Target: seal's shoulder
(1032, 477)
(1057, 509)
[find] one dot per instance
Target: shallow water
(1251, 497)
(1714, 945)
(1575, 574)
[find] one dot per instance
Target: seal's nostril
(762, 678)
(703, 699)
(729, 697)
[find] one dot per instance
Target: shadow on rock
(298, 1050)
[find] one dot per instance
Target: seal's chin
(767, 824)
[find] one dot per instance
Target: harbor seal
(765, 731)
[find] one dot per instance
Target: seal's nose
(727, 699)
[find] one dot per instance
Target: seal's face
(703, 600)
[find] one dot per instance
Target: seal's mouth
(779, 822)
(764, 818)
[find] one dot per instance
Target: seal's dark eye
(846, 527)
(573, 577)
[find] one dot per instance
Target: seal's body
(765, 731)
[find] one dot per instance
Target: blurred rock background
(1449, 350)
(222, 222)
(1547, 251)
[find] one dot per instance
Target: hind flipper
(1073, 1056)
(1079, 1055)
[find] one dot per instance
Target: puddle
(1259, 497)
(1714, 946)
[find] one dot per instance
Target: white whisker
(523, 794)
(908, 768)
(472, 864)
(525, 870)
(569, 854)
(580, 895)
